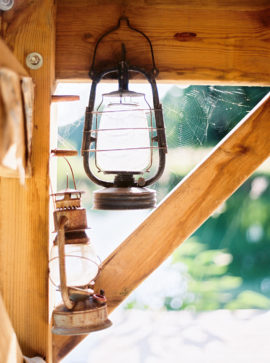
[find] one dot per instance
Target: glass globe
(82, 264)
(123, 142)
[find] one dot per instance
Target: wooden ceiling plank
(201, 42)
(231, 162)
(24, 210)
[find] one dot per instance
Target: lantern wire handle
(62, 264)
(123, 18)
(72, 173)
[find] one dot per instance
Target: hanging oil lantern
(122, 132)
(74, 266)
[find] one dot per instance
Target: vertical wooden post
(29, 27)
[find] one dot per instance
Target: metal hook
(123, 18)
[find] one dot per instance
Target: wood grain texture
(213, 4)
(183, 211)
(195, 42)
(10, 351)
(28, 27)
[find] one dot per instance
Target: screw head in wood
(6, 5)
(34, 60)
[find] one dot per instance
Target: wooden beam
(29, 27)
(195, 42)
(210, 4)
(10, 351)
(213, 181)
(65, 98)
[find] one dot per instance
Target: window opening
(224, 264)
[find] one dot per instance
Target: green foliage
(249, 299)
(239, 229)
(207, 280)
(242, 227)
(210, 282)
(72, 133)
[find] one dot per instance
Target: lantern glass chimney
(123, 139)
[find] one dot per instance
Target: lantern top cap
(123, 93)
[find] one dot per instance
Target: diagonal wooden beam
(197, 196)
(10, 351)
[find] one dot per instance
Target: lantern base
(79, 322)
(124, 198)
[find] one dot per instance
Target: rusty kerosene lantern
(122, 133)
(73, 269)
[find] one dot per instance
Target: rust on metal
(83, 319)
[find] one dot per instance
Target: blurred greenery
(211, 281)
(228, 257)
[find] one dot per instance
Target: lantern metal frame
(123, 70)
